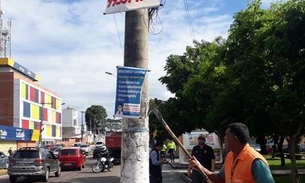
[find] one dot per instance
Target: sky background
(70, 44)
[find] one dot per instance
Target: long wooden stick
(156, 111)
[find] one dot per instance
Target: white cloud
(71, 45)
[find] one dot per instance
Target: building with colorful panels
(26, 104)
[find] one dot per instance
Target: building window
(26, 109)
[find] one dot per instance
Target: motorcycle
(102, 164)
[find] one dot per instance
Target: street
(170, 175)
(84, 176)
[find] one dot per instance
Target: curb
(185, 178)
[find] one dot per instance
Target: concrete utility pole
(135, 136)
(82, 126)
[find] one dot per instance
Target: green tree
(184, 111)
(95, 118)
(256, 76)
(265, 57)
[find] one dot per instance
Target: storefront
(17, 137)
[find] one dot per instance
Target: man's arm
(212, 159)
(214, 177)
(189, 170)
(261, 172)
(213, 165)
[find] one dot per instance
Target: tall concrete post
(135, 136)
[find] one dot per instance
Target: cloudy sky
(70, 44)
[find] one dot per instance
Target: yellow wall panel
(35, 112)
(48, 130)
(35, 135)
(53, 117)
(23, 91)
(58, 131)
(48, 100)
(31, 125)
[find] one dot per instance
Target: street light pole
(41, 123)
(82, 126)
(109, 73)
(42, 119)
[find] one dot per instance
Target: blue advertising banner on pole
(128, 92)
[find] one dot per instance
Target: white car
(85, 147)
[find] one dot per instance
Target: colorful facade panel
(35, 112)
(37, 106)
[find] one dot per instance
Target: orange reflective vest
(240, 171)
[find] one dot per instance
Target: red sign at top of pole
(115, 6)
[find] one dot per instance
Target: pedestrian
(206, 157)
(10, 151)
(163, 151)
(171, 147)
(155, 164)
(242, 163)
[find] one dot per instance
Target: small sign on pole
(128, 92)
(116, 6)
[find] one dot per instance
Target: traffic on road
(86, 175)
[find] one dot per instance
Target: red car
(71, 158)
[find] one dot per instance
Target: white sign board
(190, 140)
(116, 6)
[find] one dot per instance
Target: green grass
(286, 178)
(275, 163)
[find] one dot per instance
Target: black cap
(159, 143)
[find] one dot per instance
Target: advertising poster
(189, 140)
(13, 133)
(128, 92)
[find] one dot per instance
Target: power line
(189, 19)
(117, 29)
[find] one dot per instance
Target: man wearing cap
(205, 156)
(155, 164)
(242, 164)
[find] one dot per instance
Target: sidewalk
(279, 171)
(172, 175)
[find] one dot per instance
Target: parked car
(77, 144)
(71, 158)
(86, 148)
(4, 160)
(98, 149)
(33, 162)
(55, 150)
(100, 143)
(49, 146)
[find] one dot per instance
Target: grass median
(275, 163)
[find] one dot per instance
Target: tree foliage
(256, 76)
(95, 118)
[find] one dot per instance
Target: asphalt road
(170, 175)
(84, 176)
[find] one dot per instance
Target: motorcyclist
(104, 153)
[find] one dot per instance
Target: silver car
(3, 160)
(86, 148)
(33, 162)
